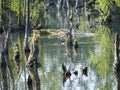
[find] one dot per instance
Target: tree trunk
(33, 64)
(35, 78)
(29, 83)
(3, 72)
(4, 50)
(27, 17)
(4, 9)
(27, 27)
(117, 62)
(32, 59)
(65, 4)
(19, 16)
(58, 4)
(77, 5)
(1, 11)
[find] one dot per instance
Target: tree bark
(19, 16)
(35, 78)
(33, 64)
(117, 62)
(32, 59)
(27, 27)
(1, 11)
(77, 5)
(4, 76)
(65, 4)
(4, 9)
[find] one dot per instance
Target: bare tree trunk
(65, 4)
(32, 63)
(7, 39)
(58, 5)
(4, 9)
(1, 10)
(27, 27)
(117, 61)
(3, 57)
(77, 5)
(3, 74)
(19, 16)
(32, 59)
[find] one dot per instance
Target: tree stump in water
(117, 61)
(32, 59)
(69, 39)
(32, 63)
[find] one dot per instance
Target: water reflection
(73, 62)
(3, 76)
(102, 61)
(89, 67)
(51, 75)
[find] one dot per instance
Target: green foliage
(104, 6)
(16, 5)
(117, 2)
(104, 59)
(37, 12)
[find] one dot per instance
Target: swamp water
(51, 56)
(94, 53)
